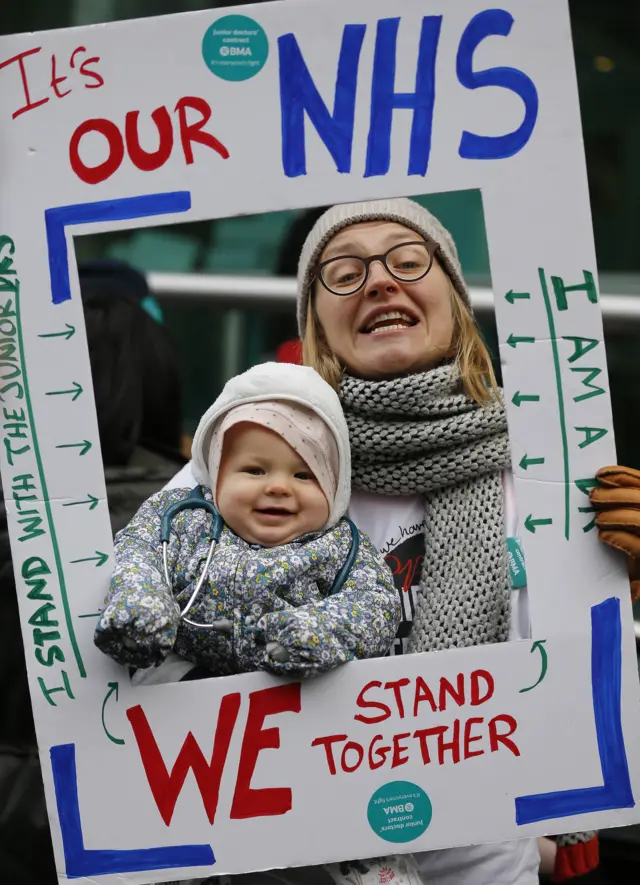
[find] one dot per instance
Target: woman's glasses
(406, 262)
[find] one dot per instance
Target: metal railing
(620, 309)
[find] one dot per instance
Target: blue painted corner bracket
(59, 218)
(606, 688)
(80, 861)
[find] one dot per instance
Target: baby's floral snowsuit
(269, 594)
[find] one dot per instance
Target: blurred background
(224, 291)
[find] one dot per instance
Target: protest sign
(283, 105)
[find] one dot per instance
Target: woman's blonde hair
(468, 352)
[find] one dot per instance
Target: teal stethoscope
(197, 501)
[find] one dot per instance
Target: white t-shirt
(395, 525)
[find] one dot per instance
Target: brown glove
(617, 500)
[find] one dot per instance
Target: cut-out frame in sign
(142, 124)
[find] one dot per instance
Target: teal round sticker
(399, 811)
(235, 47)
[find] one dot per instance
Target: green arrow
(524, 398)
(93, 502)
(514, 340)
(85, 445)
(67, 334)
(539, 644)
(585, 484)
(113, 687)
(99, 559)
(528, 462)
(511, 296)
(76, 391)
(530, 523)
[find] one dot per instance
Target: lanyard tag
(517, 568)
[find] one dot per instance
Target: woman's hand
(617, 500)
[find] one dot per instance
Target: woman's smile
(387, 320)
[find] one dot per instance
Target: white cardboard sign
(171, 119)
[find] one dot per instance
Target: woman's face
(387, 328)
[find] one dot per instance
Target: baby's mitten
(138, 629)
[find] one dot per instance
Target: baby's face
(266, 493)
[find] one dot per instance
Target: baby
(272, 454)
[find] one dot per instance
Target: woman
(392, 330)
(384, 313)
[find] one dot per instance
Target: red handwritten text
(166, 786)
(480, 689)
(190, 133)
(415, 699)
(455, 739)
(76, 67)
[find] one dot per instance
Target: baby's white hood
(281, 381)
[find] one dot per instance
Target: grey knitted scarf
(422, 434)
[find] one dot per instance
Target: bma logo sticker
(399, 811)
(235, 47)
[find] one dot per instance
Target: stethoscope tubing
(197, 500)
